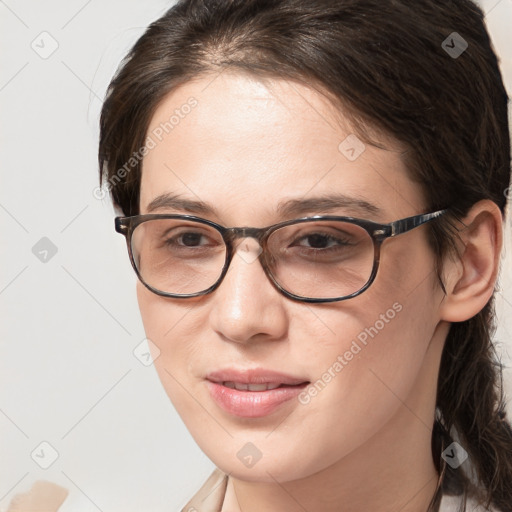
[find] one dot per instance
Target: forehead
(244, 145)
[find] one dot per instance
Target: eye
(188, 239)
(323, 241)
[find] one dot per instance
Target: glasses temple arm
(402, 226)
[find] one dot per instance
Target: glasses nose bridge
(232, 234)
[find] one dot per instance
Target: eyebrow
(285, 208)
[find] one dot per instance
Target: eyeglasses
(312, 259)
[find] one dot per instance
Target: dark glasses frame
(378, 232)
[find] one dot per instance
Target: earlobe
(471, 279)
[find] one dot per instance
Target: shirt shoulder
(210, 496)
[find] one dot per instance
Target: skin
(365, 440)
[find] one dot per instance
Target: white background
(69, 326)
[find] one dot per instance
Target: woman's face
(245, 148)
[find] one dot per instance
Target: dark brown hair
(386, 64)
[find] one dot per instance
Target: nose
(246, 305)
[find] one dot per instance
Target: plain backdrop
(69, 317)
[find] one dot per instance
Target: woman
(312, 194)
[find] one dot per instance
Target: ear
(470, 278)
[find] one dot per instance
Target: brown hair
(387, 64)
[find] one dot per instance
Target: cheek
(165, 324)
(170, 325)
(165, 319)
(359, 387)
(151, 313)
(400, 311)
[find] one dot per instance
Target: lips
(253, 393)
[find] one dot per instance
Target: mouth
(253, 393)
(240, 386)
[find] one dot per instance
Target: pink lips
(252, 404)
